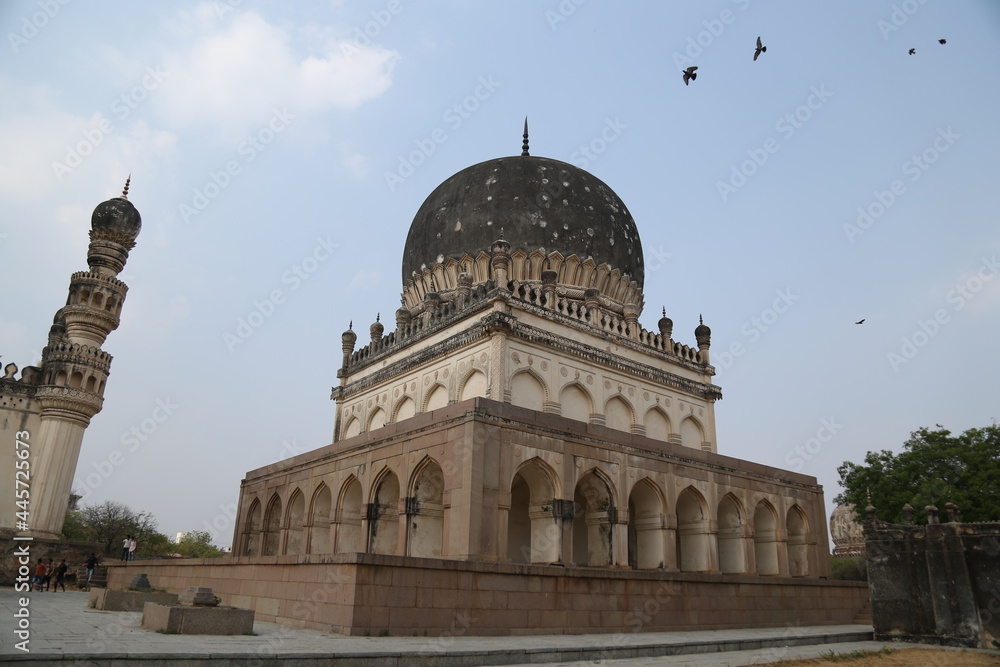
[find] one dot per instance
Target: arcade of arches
(556, 499)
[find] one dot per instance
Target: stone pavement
(64, 631)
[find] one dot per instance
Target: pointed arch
(692, 433)
(618, 413)
(348, 517)
(646, 507)
(319, 520)
(352, 428)
(425, 510)
(437, 397)
(594, 515)
(383, 514)
(797, 528)
(295, 518)
(405, 408)
(657, 424)
(528, 390)
(732, 535)
(693, 544)
(377, 419)
(251, 529)
(534, 532)
(765, 538)
(475, 384)
(272, 526)
(575, 402)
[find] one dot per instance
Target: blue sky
(278, 154)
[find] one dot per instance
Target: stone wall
(937, 583)
(362, 594)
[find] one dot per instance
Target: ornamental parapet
(74, 353)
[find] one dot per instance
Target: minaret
(74, 368)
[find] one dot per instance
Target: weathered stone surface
(197, 595)
(184, 620)
(109, 600)
(936, 583)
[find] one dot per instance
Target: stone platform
(371, 594)
(65, 631)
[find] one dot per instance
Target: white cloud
(358, 164)
(238, 70)
(364, 280)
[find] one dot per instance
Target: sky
(278, 152)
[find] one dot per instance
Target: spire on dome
(125, 191)
(524, 144)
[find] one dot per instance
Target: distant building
(847, 534)
(179, 537)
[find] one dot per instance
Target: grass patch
(833, 656)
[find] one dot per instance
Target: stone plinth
(107, 600)
(197, 596)
(184, 620)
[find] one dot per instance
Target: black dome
(117, 215)
(537, 202)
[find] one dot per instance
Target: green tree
(74, 527)
(198, 544)
(109, 523)
(934, 468)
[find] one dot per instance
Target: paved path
(63, 629)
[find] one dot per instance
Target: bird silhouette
(942, 41)
(689, 74)
(912, 51)
(760, 49)
(861, 321)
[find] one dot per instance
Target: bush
(849, 568)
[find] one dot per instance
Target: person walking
(47, 577)
(91, 566)
(60, 576)
(39, 574)
(125, 545)
(131, 548)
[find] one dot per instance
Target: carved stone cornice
(77, 354)
(68, 403)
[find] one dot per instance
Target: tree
(934, 468)
(198, 544)
(109, 523)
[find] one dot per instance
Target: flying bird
(689, 74)
(942, 41)
(760, 49)
(912, 51)
(861, 321)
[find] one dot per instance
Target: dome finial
(378, 316)
(664, 311)
(125, 191)
(524, 144)
(700, 321)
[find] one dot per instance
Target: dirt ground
(906, 657)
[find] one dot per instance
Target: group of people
(128, 548)
(45, 570)
(43, 575)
